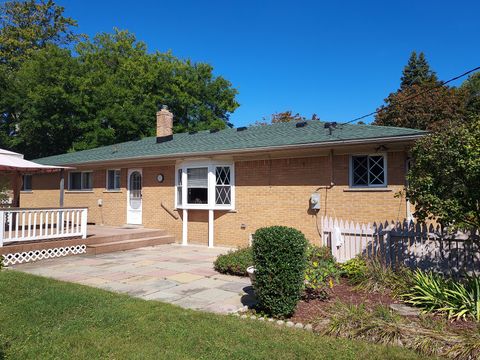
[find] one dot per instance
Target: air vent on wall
(301, 124)
(242, 128)
(212, 131)
(192, 132)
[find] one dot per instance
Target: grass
(48, 319)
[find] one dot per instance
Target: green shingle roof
(254, 137)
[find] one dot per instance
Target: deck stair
(105, 243)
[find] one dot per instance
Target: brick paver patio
(181, 275)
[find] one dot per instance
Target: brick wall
(268, 192)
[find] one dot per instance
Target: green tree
(413, 108)
(123, 86)
(470, 90)
(108, 93)
(444, 178)
(26, 26)
(417, 72)
(46, 101)
(420, 103)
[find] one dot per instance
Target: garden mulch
(311, 310)
(316, 310)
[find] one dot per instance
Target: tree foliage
(470, 91)
(26, 26)
(444, 178)
(285, 116)
(413, 108)
(52, 101)
(417, 72)
(421, 103)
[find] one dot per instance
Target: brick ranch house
(218, 187)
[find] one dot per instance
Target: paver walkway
(181, 275)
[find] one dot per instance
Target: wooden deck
(100, 239)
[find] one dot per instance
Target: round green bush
(234, 262)
(279, 255)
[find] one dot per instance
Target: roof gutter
(322, 144)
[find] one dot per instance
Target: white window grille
(222, 185)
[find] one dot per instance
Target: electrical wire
(442, 83)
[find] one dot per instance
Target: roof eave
(322, 144)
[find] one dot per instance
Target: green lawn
(46, 319)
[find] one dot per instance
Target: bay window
(204, 185)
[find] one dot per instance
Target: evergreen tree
(417, 72)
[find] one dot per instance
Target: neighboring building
(218, 187)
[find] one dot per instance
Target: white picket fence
(22, 224)
(408, 243)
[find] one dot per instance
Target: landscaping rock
(299, 326)
(405, 310)
(271, 319)
(243, 316)
(261, 318)
(280, 322)
(253, 317)
(290, 324)
(308, 327)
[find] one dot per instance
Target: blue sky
(338, 59)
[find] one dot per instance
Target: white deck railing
(19, 224)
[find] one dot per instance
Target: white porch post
(210, 228)
(84, 225)
(185, 228)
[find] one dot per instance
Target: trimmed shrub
(234, 262)
(279, 255)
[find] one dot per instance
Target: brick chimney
(164, 125)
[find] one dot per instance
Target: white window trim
(385, 171)
(106, 180)
(211, 165)
(81, 181)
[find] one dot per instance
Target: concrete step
(129, 244)
(108, 238)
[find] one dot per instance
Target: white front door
(134, 197)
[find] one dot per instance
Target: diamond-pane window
(368, 170)
(223, 185)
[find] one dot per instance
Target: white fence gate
(408, 243)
